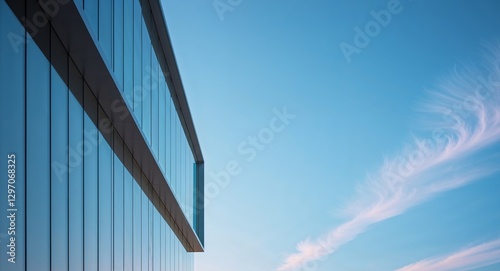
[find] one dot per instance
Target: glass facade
(85, 200)
(137, 69)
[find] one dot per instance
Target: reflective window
(12, 109)
(162, 122)
(91, 207)
(169, 140)
(147, 78)
(90, 184)
(91, 8)
(128, 53)
(174, 146)
(128, 235)
(137, 217)
(138, 91)
(145, 226)
(157, 220)
(118, 203)
(106, 29)
(150, 231)
(76, 156)
(118, 25)
(59, 158)
(105, 192)
(38, 149)
(79, 3)
(163, 239)
(154, 106)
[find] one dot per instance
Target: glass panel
(106, 29)
(168, 134)
(76, 157)
(145, 226)
(128, 65)
(118, 203)
(90, 184)
(12, 148)
(171, 249)
(79, 3)
(118, 41)
(128, 211)
(162, 137)
(146, 83)
(38, 148)
(105, 193)
(154, 106)
(178, 157)
(91, 8)
(156, 239)
(178, 160)
(150, 232)
(163, 239)
(182, 169)
(137, 217)
(138, 91)
(59, 158)
(174, 145)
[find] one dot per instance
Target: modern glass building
(100, 163)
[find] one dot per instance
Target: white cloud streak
(465, 259)
(465, 110)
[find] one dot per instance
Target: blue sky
(315, 189)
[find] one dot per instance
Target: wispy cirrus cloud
(466, 259)
(465, 114)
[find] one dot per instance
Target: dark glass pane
(76, 156)
(118, 41)
(128, 53)
(154, 106)
(156, 240)
(90, 187)
(150, 232)
(163, 239)
(182, 169)
(105, 192)
(118, 203)
(38, 149)
(59, 156)
(12, 145)
(106, 29)
(147, 78)
(137, 217)
(91, 8)
(138, 91)
(162, 121)
(168, 135)
(128, 183)
(79, 3)
(179, 157)
(173, 148)
(145, 226)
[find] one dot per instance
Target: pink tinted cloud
(465, 259)
(465, 110)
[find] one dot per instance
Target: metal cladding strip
(71, 29)
(170, 69)
(177, 89)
